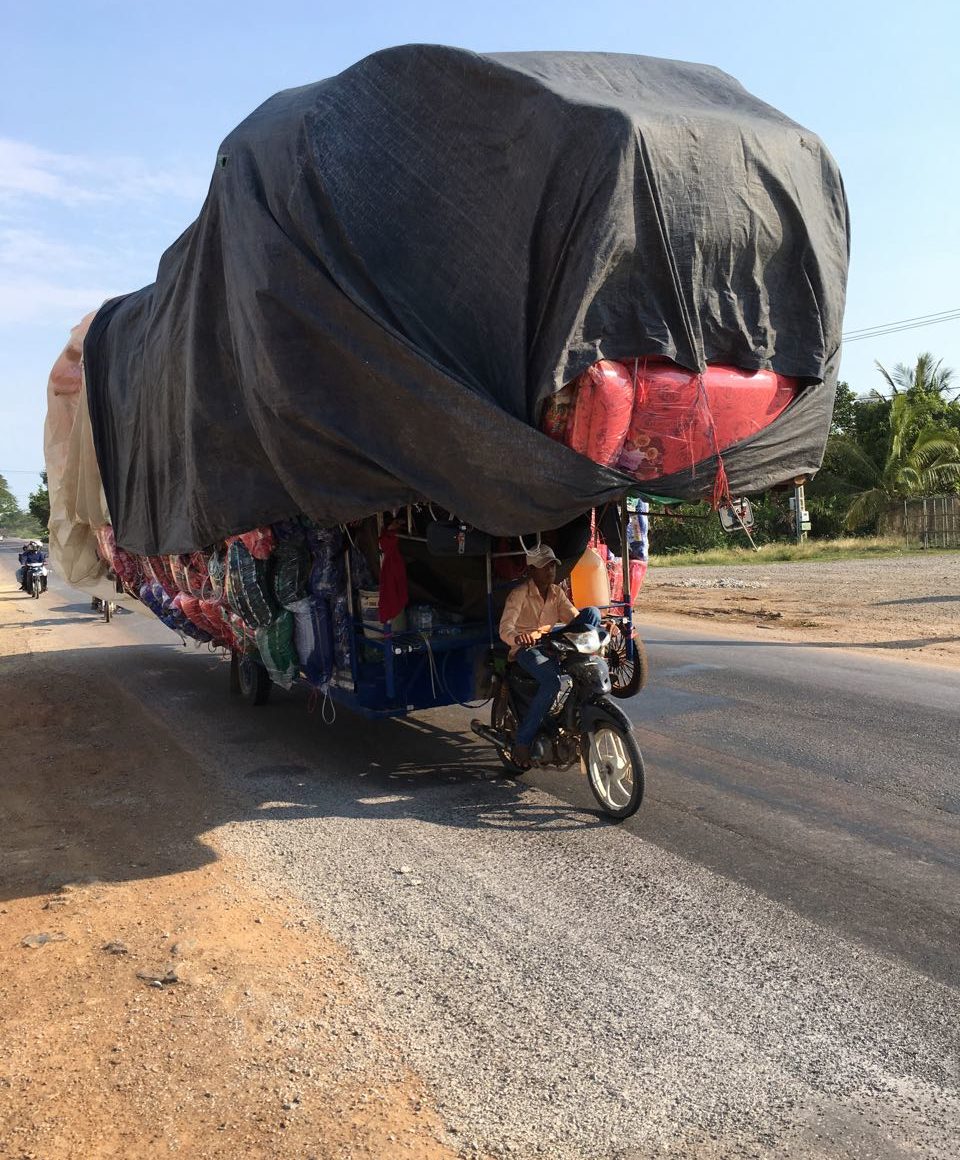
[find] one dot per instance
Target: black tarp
(394, 267)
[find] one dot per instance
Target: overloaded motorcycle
(583, 723)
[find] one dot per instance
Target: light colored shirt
(526, 611)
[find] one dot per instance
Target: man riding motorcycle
(31, 553)
(533, 608)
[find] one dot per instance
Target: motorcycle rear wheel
(614, 768)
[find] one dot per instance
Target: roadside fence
(931, 522)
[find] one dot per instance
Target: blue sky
(111, 114)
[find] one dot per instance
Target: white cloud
(28, 173)
(76, 229)
(27, 249)
(38, 299)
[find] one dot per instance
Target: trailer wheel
(249, 679)
(627, 676)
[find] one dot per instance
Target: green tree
(928, 385)
(844, 410)
(39, 502)
(10, 512)
(922, 458)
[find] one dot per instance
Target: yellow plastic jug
(589, 582)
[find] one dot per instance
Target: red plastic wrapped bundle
(217, 622)
(681, 418)
(556, 414)
(615, 572)
(601, 412)
(259, 543)
(191, 608)
(158, 568)
(126, 567)
(190, 573)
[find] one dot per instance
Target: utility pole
(801, 520)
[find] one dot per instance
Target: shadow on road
(917, 600)
(731, 642)
(101, 780)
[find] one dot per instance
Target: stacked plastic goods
(651, 418)
(637, 555)
(279, 592)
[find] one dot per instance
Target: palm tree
(922, 459)
(925, 378)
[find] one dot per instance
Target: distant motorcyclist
(31, 553)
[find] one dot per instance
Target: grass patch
(852, 548)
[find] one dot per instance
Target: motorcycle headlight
(585, 642)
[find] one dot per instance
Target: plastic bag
(327, 573)
(246, 587)
(342, 632)
(313, 638)
(276, 648)
(291, 571)
(217, 571)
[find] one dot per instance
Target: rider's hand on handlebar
(525, 639)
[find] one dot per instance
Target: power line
(903, 324)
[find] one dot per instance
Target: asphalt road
(764, 961)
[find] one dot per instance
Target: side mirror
(736, 516)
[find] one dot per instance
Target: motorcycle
(583, 723)
(106, 608)
(35, 579)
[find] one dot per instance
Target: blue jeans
(546, 672)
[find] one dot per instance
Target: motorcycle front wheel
(614, 769)
(35, 587)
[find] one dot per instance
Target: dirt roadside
(152, 1003)
(906, 608)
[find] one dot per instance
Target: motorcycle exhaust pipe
(488, 733)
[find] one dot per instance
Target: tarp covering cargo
(394, 269)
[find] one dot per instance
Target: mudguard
(601, 710)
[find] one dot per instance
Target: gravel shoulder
(155, 998)
(906, 607)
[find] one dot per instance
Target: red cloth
(393, 578)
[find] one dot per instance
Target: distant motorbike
(106, 608)
(35, 579)
(583, 724)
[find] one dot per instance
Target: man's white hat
(541, 556)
